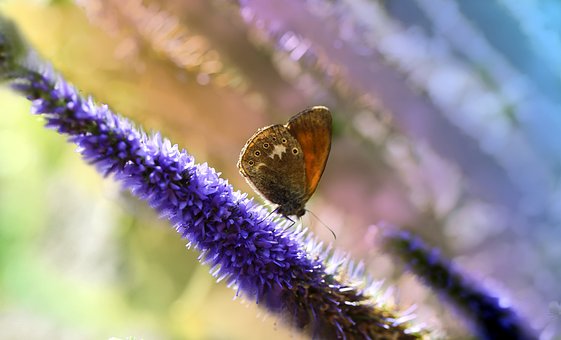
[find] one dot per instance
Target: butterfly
(284, 163)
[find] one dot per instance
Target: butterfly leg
(268, 215)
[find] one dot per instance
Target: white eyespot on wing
(278, 150)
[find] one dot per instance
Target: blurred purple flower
(490, 320)
(266, 262)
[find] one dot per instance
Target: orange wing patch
(312, 129)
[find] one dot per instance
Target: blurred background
(446, 123)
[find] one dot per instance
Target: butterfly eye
(295, 151)
(257, 153)
(284, 141)
(250, 162)
(266, 145)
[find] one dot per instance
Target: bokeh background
(447, 118)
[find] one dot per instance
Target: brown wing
(312, 129)
(273, 164)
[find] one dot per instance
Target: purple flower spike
(259, 257)
(489, 319)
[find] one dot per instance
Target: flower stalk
(281, 269)
(488, 318)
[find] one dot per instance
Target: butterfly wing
(312, 130)
(273, 164)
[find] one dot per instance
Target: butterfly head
(291, 209)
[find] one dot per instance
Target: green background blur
(78, 258)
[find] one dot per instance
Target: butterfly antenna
(325, 225)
